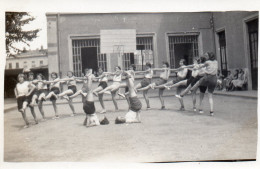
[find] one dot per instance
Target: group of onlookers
(235, 80)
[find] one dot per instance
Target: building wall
(234, 24)
(29, 61)
(158, 23)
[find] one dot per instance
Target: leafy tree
(14, 33)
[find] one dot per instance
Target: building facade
(79, 41)
(33, 60)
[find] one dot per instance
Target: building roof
(30, 54)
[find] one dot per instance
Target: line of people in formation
(201, 74)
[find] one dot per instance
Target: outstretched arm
(32, 86)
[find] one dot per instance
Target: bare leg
(76, 94)
(194, 100)
(25, 118)
(50, 95)
(183, 93)
(24, 114)
(71, 107)
(145, 88)
(100, 97)
(180, 100)
(181, 83)
(55, 108)
(33, 114)
(67, 92)
(33, 100)
(161, 98)
(146, 98)
(114, 100)
(163, 85)
(211, 102)
(98, 89)
(201, 99)
(41, 109)
(106, 89)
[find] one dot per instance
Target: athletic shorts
(89, 107)
(39, 92)
(103, 84)
(56, 91)
(145, 82)
(190, 80)
(160, 82)
(73, 88)
(208, 82)
(135, 104)
(20, 101)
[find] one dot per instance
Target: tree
(14, 32)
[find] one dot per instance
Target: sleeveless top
(165, 74)
(55, 84)
(71, 82)
(149, 75)
(41, 85)
(103, 79)
(195, 70)
(117, 78)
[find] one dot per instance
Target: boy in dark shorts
(133, 115)
(22, 92)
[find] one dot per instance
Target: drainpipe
(213, 31)
(58, 41)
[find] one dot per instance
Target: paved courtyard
(163, 135)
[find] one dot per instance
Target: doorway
(253, 50)
(89, 58)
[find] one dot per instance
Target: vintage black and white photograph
(142, 87)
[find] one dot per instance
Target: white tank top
(41, 85)
(22, 88)
(182, 72)
(104, 79)
(149, 75)
(71, 82)
(55, 84)
(165, 74)
(195, 70)
(117, 78)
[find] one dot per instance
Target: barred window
(185, 45)
(144, 53)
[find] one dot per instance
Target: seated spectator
(227, 85)
(219, 81)
(240, 81)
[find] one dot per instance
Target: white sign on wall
(118, 41)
